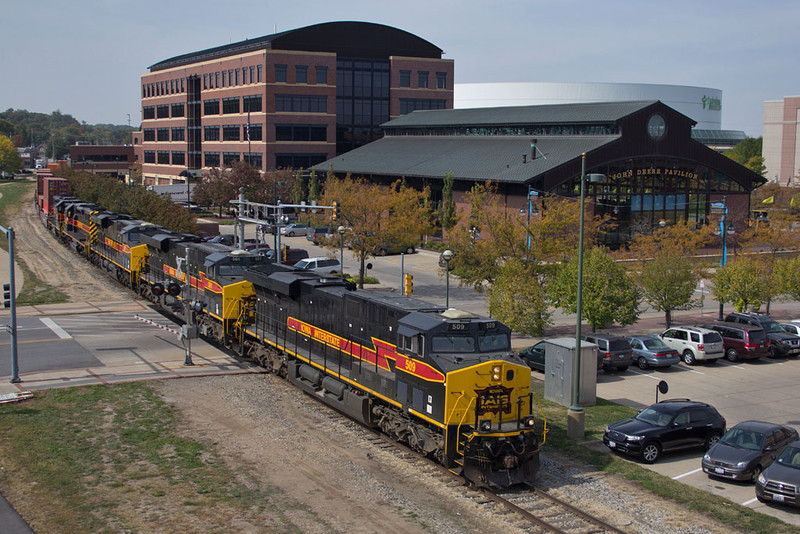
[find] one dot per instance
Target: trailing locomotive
(444, 382)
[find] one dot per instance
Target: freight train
(442, 381)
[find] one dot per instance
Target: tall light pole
(724, 231)
(447, 255)
(576, 415)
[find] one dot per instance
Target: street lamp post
(341, 231)
(724, 230)
(447, 255)
(575, 414)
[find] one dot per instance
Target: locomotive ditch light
(528, 421)
(198, 306)
(158, 289)
(485, 425)
(497, 371)
(174, 289)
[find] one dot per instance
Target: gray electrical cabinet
(558, 364)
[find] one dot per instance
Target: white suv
(325, 265)
(694, 343)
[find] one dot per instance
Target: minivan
(614, 353)
(741, 341)
(324, 265)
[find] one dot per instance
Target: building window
(236, 76)
(205, 81)
(162, 111)
(179, 158)
(422, 82)
(296, 161)
(254, 159)
(441, 80)
(301, 132)
(252, 71)
(322, 75)
(253, 131)
(177, 109)
(163, 157)
(149, 156)
(149, 134)
(244, 76)
(229, 158)
(211, 159)
(300, 74)
(178, 134)
(301, 103)
(211, 107)
(230, 105)
(224, 78)
(259, 69)
(407, 105)
(280, 73)
(230, 132)
(216, 79)
(251, 103)
(148, 112)
(405, 78)
(211, 133)
(162, 134)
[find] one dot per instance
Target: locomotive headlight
(528, 421)
(485, 425)
(497, 372)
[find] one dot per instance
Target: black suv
(613, 352)
(668, 425)
(782, 343)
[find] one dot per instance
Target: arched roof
(346, 39)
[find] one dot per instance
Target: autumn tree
(518, 298)
(668, 282)
(10, 162)
(681, 237)
(743, 282)
(447, 213)
(609, 294)
(787, 276)
(377, 215)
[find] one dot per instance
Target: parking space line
(751, 501)
(57, 330)
(687, 473)
(645, 374)
(729, 364)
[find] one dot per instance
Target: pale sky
(85, 57)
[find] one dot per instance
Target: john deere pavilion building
(655, 172)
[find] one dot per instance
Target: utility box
(558, 365)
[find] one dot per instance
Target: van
(741, 341)
(614, 353)
(324, 265)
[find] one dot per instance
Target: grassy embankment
(34, 291)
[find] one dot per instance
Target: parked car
(225, 239)
(780, 481)
(666, 426)
(293, 229)
(694, 343)
(650, 351)
(791, 328)
(289, 256)
(394, 248)
(534, 356)
(747, 449)
(614, 353)
(320, 264)
(781, 344)
(316, 234)
(257, 248)
(741, 341)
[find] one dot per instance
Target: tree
(609, 293)
(668, 283)
(447, 214)
(377, 215)
(518, 298)
(680, 237)
(10, 162)
(787, 275)
(743, 282)
(748, 153)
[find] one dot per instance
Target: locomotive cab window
(414, 344)
(453, 343)
(493, 342)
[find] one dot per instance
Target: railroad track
(527, 508)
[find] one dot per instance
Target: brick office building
(288, 100)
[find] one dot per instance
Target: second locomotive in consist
(444, 382)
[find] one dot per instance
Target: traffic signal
(6, 295)
(408, 283)
(336, 210)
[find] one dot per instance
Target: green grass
(89, 457)
(34, 291)
(596, 419)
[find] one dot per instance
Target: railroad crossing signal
(408, 283)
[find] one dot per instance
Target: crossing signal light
(6, 295)
(337, 211)
(408, 283)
